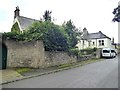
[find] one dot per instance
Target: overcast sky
(95, 15)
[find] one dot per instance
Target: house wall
(107, 43)
(16, 21)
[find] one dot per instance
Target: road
(102, 74)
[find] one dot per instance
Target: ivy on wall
(15, 28)
(54, 37)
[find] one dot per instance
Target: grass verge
(81, 63)
(23, 70)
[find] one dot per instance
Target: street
(102, 74)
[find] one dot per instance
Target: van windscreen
(106, 51)
(112, 51)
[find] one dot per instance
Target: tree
(47, 15)
(116, 13)
(54, 37)
(72, 32)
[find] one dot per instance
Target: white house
(91, 40)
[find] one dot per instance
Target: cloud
(95, 15)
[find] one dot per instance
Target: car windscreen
(112, 51)
(106, 51)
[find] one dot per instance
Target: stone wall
(96, 55)
(57, 58)
(25, 54)
(32, 54)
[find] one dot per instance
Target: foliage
(116, 13)
(64, 65)
(72, 32)
(15, 28)
(74, 51)
(54, 37)
(47, 15)
(11, 35)
(88, 51)
(14, 34)
(23, 70)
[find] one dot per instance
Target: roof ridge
(93, 33)
(105, 35)
(29, 18)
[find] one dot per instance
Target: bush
(88, 51)
(74, 51)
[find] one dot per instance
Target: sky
(95, 15)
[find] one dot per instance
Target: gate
(3, 56)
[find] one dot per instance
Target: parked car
(108, 52)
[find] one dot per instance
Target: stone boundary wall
(25, 54)
(87, 57)
(32, 54)
(57, 58)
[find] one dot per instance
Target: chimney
(85, 32)
(113, 40)
(16, 12)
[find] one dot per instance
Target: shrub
(74, 51)
(88, 51)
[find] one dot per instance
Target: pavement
(10, 75)
(102, 74)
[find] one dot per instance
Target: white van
(108, 52)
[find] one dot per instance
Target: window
(112, 51)
(106, 51)
(101, 42)
(83, 42)
(89, 43)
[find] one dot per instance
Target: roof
(97, 35)
(25, 22)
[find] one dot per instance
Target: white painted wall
(107, 43)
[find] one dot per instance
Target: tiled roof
(97, 35)
(25, 22)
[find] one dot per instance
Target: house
(22, 22)
(94, 40)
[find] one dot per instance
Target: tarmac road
(103, 74)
